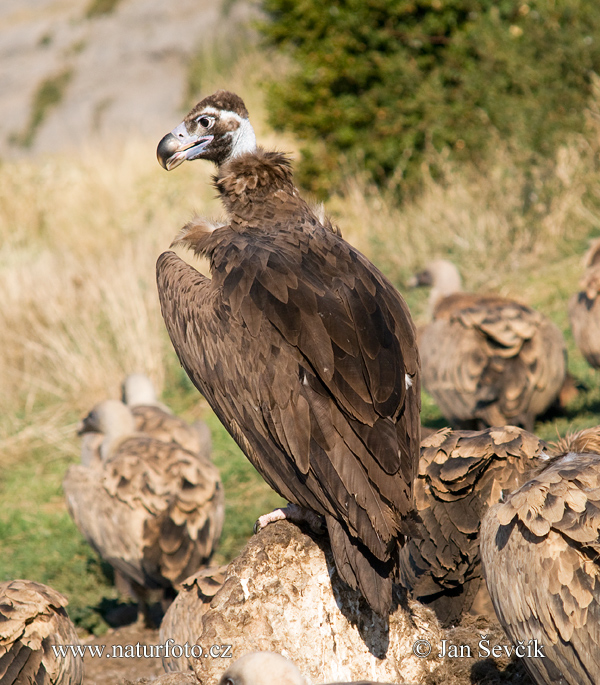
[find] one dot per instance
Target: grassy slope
(79, 240)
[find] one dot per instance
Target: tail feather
(360, 569)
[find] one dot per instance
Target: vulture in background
(540, 551)
(151, 509)
(487, 360)
(461, 474)
(584, 309)
(304, 350)
(156, 420)
(33, 619)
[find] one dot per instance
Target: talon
(294, 513)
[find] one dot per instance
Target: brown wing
(161, 425)
(33, 619)
(182, 622)
(540, 555)
(153, 511)
(461, 474)
(302, 348)
(584, 315)
(493, 360)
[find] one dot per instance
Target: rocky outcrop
(283, 594)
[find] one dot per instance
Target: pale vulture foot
(294, 513)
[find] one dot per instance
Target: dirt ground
(112, 670)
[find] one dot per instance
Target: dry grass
(80, 239)
(480, 220)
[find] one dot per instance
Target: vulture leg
(295, 514)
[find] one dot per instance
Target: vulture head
(137, 389)
(262, 667)
(442, 277)
(111, 418)
(217, 129)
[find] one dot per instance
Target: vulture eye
(205, 122)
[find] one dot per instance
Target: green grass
(38, 540)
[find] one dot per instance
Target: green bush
(378, 83)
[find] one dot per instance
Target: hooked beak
(89, 424)
(179, 145)
(423, 278)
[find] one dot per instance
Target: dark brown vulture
(33, 620)
(304, 350)
(487, 360)
(150, 509)
(461, 474)
(540, 551)
(584, 309)
(156, 420)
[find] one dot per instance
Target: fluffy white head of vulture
(111, 418)
(217, 129)
(137, 389)
(262, 668)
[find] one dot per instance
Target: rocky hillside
(75, 73)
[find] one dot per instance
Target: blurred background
(464, 129)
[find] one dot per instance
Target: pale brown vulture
(156, 420)
(151, 509)
(584, 308)
(540, 552)
(487, 360)
(33, 620)
(303, 349)
(461, 474)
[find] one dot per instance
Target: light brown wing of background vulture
(461, 474)
(490, 359)
(160, 425)
(153, 511)
(182, 622)
(302, 348)
(32, 620)
(584, 315)
(540, 555)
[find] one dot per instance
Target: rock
(147, 43)
(282, 594)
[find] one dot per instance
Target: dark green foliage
(379, 82)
